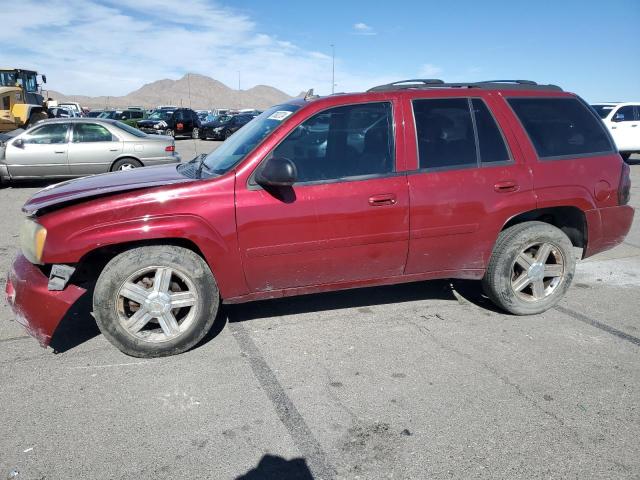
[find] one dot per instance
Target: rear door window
(561, 127)
(445, 133)
(90, 133)
(490, 140)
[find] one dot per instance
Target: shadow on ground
(272, 467)
(78, 326)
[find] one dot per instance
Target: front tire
(531, 268)
(195, 133)
(155, 301)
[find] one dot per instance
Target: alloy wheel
(537, 271)
(157, 304)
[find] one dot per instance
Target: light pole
(333, 68)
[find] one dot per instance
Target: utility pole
(333, 68)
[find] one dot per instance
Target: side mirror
(19, 143)
(618, 117)
(44, 79)
(277, 172)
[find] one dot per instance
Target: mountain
(192, 90)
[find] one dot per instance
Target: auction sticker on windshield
(280, 115)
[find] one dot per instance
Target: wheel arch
(570, 219)
(123, 157)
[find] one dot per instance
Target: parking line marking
(286, 410)
(595, 323)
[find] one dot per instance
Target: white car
(623, 121)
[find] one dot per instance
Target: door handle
(634, 125)
(382, 199)
(113, 149)
(506, 186)
(60, 152)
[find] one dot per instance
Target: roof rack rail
(421, 84)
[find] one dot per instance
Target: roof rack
(421, 84)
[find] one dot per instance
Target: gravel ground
(414, 381)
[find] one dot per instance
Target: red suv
(494, 181)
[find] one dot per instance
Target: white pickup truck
(623, 121)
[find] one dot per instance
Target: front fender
(222, 259)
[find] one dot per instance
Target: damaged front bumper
(36, 307)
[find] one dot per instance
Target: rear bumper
(37, 308)
(607, 227)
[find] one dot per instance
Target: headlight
(217, 129)
(32, 238)
(156, 126)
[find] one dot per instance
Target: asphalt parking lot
(416, 381)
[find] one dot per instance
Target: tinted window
(624, 114)
(137, 114)
(561, 126)
(342, 142)
(53, 133)
(91, 132)
(445, 133)
(603, 110)
(129, 129)
(490, 140)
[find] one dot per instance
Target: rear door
(93, 149)
(468, 182)
(347, 217)
(42, 154)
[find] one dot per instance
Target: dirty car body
(331, 193)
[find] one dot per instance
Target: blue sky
(111, 47)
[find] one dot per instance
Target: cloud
(112, 47)
(430, 70)
(363, 29)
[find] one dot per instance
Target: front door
(625, 128)
(42, 153)
(347, 217)
(93, 149)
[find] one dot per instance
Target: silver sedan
(74, 147)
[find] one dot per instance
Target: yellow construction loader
(21, 100)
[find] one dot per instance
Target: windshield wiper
(200, 159)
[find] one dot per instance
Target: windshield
(240, 144)
(130, 129)
(161, 115)
(603, 110)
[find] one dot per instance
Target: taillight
(624, 188)
(170, 148)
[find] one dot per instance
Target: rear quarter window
(561, 127)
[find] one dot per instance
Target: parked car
(75, 106)
(496, 182)
(623, 121)
(74, 147)
(179, 122)
(224, 126)
(62, 112)
(93, 113)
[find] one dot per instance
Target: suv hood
(98, 185)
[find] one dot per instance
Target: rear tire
(125, 164)
(170, 132)
(155, 301)
(195, 133)
(531, 268)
